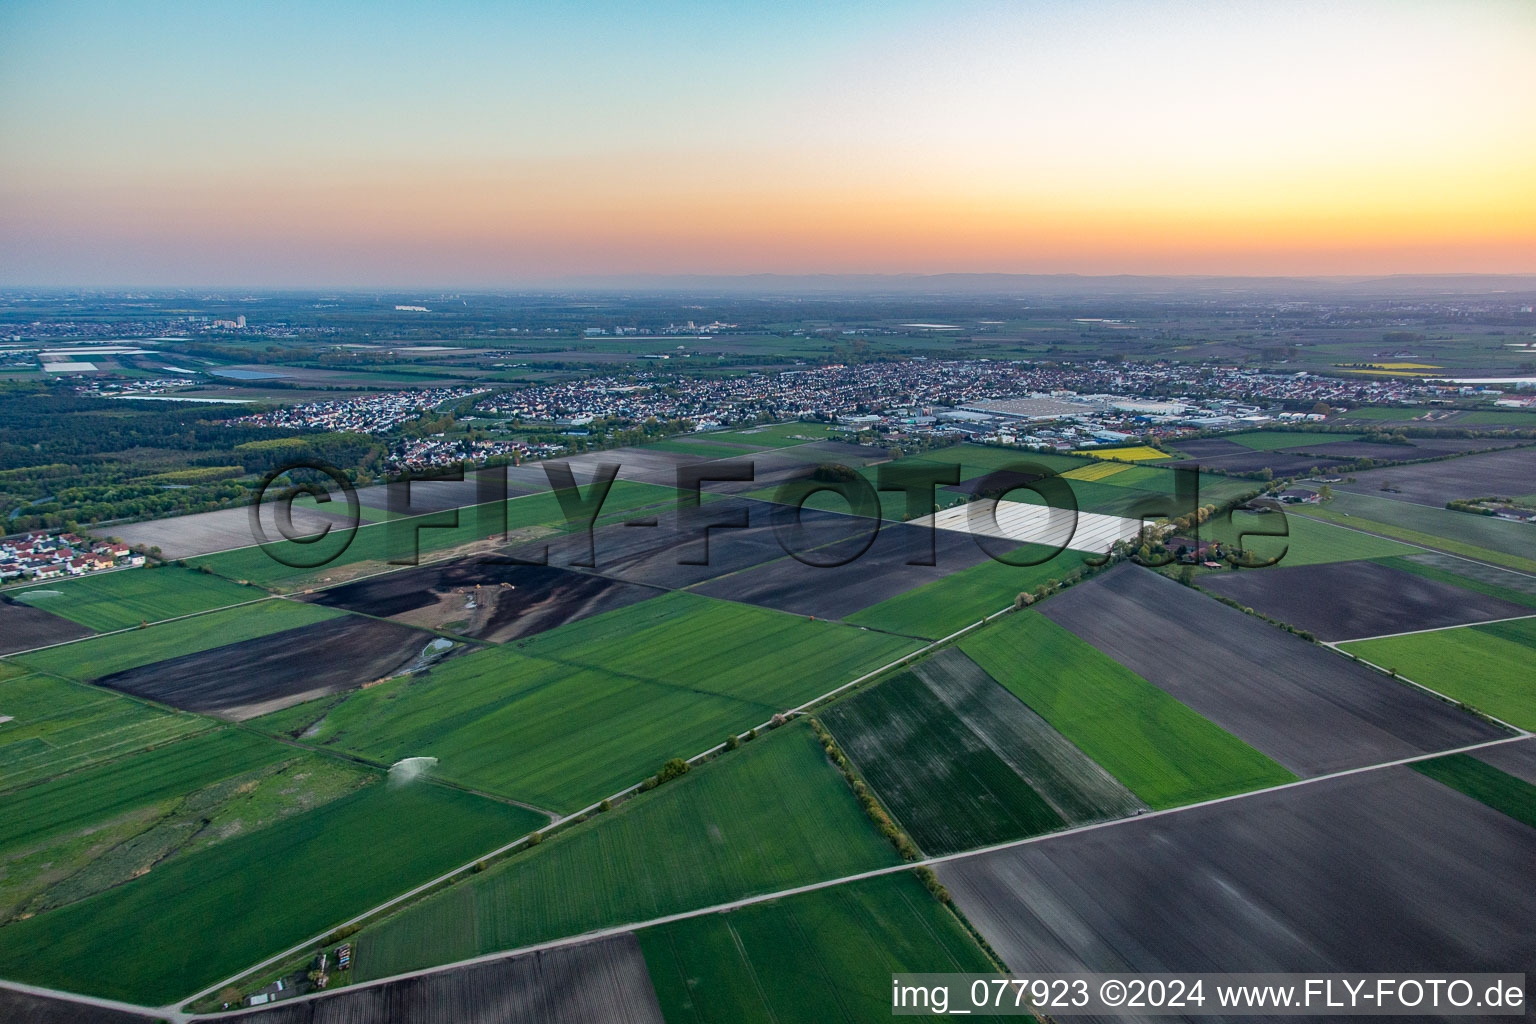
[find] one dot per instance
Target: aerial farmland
(735, 724)
(767, 512)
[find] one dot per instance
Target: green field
(939, 779)
(1124, 494)
(1482, 781)
(1162, 750)
(939, 608)
(581, 712)
(771, 815)
(128, 597)
(1380, 413)
(1488, 667)
(1307, 542)
(60, 726)
(81, 833)
(978, 460)
(722, 450)
(375, 544)
(824, 956)
(775, 435)
(104, 655)
(1485, 538)
(1273, 440)
(206, 915)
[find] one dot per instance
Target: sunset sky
(497, 144)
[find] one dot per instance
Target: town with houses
(369, 414)
(1002, 402)
(46, 556)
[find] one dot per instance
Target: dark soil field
(23, 627)
(1349, 450)
(1206, 449)
(254, 677)
(995, 482)
(1518, 759)
(1352, 600)
(484, 598)
(1505, 580)
(1248, 461)
(1310, 709)
(641, 464)
(833, 592)
(1506, 473)
(846, 452)
(718, 449)
(771, 468)
(1319, 451)
(664, 555)
(1385, 871)
(604, 982)
(1417, 448)
(21, 1008)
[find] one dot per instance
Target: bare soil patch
(1508, 472)
(1307, 707)
(484, 597)
(254, 677)
(23, 627)
(1311, 878)
(1351, 600)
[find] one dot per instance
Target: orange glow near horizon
(1173, 138)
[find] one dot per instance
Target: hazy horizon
(960, 285)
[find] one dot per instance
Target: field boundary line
(1399, 677)
(928, 862)
(1431, 629)
(157, 622)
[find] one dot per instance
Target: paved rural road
(173, 1013)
